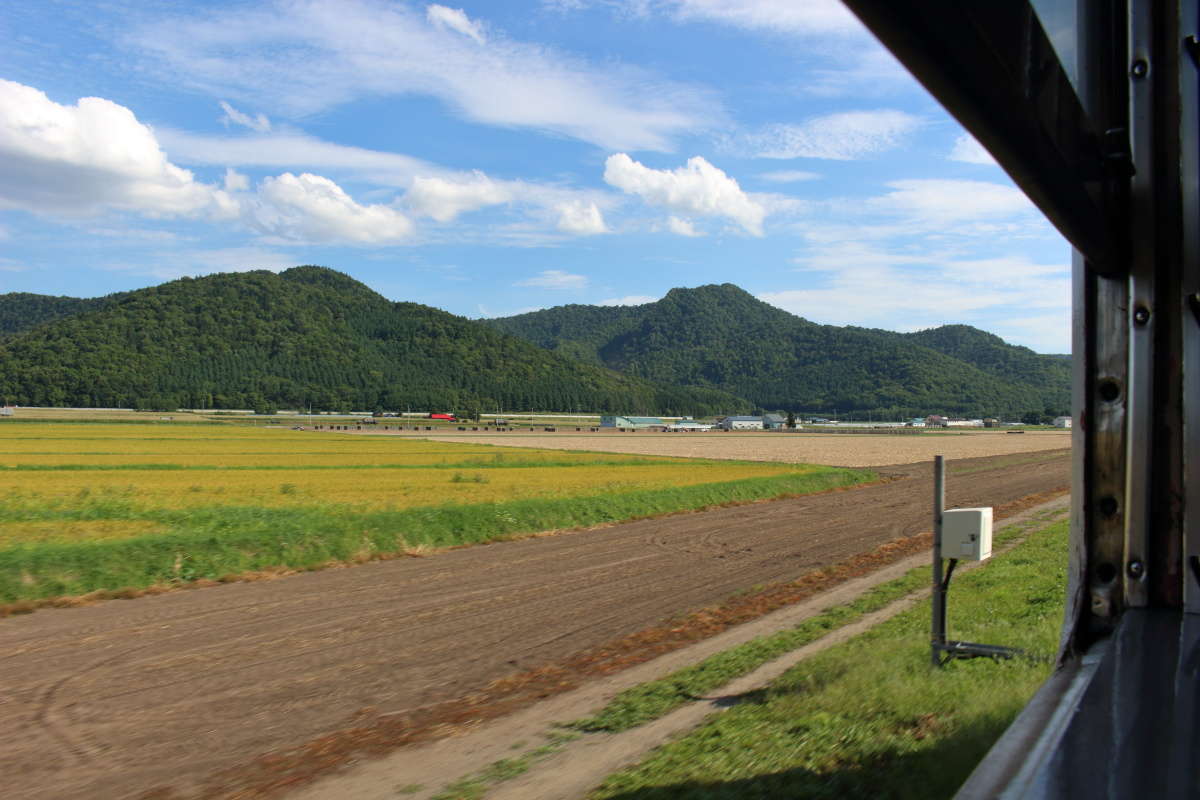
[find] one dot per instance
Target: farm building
(742, 423)
(964, 423)
(630, 422)
(936, 421)
(1062, 422)
(774, 422)
(915, 422)
(6, 411)
(690, 425)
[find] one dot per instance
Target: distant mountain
(725, 338)
(21, 311)
(307, 337)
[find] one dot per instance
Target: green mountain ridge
(723, 337)
(306, 337)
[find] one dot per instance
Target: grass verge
(223, 542)
(649, 701)
(870, 718)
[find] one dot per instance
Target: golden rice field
(100, 506)
(179, 466)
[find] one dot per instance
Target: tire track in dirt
(174, 689)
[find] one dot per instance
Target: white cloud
(258, 123)
(682, 227)
(842, 136)
(295, 151)
(809, 18)
(555, 279)
(172, 264)
(443, 200)
(456, 20)
(311, 208)
(967, 149)
(697, 188)
(235, 181)
(789, 176)
(580, 218)
(629, 300)
(853, 284)
(935, 202)
(305, 56)
(90, 157)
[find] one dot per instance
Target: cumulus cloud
(580, 218)
(311, 208)
(967, 149)
(95, 157)
(697, 188)
(555, 279)
(456, 20)
(305, 56)
(682, 227)
(443, 200)
(629, 300)
(89, 157)
(843, 136)
(258, 123)
(235, 181)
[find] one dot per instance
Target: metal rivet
(1141, 316)
(1139, 68)
(1136, 569)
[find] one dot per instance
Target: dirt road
(178, 690)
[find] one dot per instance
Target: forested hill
(723, 337)
(305, 337)
(21, 311)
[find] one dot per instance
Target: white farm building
(741, 424)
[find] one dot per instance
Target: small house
(774, 422)
(1062, 422)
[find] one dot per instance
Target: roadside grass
(649, 701)
(870, 717)
(221, 542)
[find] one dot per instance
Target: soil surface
(835, 450)
(246, 689)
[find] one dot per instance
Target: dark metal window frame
(1113, 161)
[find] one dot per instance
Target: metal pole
(939, 597)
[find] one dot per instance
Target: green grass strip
(219, 541)
(870, 717)
(649, 701)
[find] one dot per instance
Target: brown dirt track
(184, 690)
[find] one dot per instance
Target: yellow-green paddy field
(88, 507)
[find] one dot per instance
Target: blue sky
(495, 157)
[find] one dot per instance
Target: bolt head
(1141, 316)
(1136, 569)
(1139, 69)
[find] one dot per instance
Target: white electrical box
(967, 533)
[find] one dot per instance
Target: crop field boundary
(538, 753)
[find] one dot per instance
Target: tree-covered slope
(21, 311)
(723, 337)
(996, 357)
(306, 337)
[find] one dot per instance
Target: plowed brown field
(180, 693)
(835, 450)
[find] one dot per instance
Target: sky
(492, 158)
